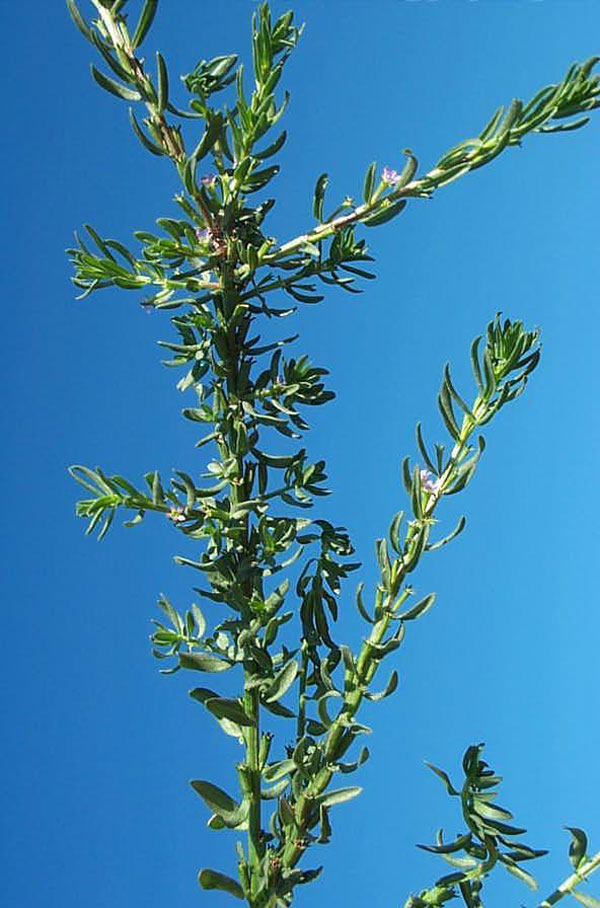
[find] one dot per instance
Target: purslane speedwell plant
(264, 562)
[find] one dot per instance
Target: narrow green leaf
(449, 879)
(135, 520)
(475, 362)
(203, 695)
(409, 169)
(319, 197)
(281, 682)
(272, 149)
(188, 486)
(423, 449)
(322, 707)
(369, 183)
(449, 847)
(200, 620)
(490, 128)
(521, 874)
(416, 502)
(587, 900)
(445, 779)
(523, 852)
(286, 813)
(348, 659)
(148, 145)
(203, 662)
(389, 689)
(163, 82)
(278, 709)
(258, 179)
(496, 826)
(222, 708)
(79, 20)
(115, 88)
(453, 392)
(217, 800)
(211, 879)
(209, 137)
(339, 796)
(455, 532)
(165, 605)
(490, 811)
(352, 767)
(407, 476)
(106, 525)
(270, 794)
(488, 371)
(447, 413)
(379, 650)
(146, 20)
(361, 606)
(386, 212)
(566, 127)
(277, 770)
(578, 846)
(325, 833)
(419, 609)
(394, 532)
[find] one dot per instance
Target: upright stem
(301, 723)
(251, 704)
(240, 491)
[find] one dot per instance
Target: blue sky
(99, 746)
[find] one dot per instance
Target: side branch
(577, 94)
(509, 357)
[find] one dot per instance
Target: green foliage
(489, 839)
(250, 511)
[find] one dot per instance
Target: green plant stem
(301, 721)
(518, 122)
(323, 231)
(171, 140)
(251, 704)
(368, 663)
(421, 188)
(567, 887)
(240, 492)
(170, 136)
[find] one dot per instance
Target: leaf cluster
(489, 839)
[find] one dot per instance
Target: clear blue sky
(99, 747)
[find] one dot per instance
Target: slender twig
(569, 885)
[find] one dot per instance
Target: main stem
(251, 704)
(234, 337)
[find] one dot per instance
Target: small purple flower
(428, 482)
(209, 180)
(203, 236)
(177, 514)
(147, 306)
(389, 176)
